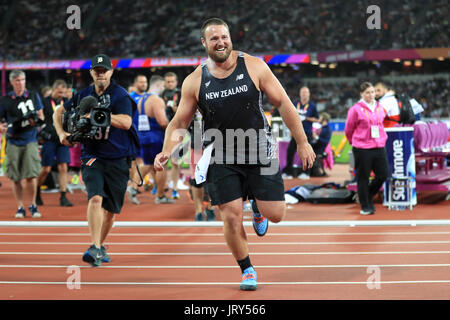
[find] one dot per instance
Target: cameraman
(106, 158)
(22, 110)
(51, 147)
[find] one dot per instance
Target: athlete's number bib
(143, 124)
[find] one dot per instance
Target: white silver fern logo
(207, 83)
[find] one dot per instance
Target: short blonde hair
(325, 116)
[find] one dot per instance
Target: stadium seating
(171, 28)
(432, 149)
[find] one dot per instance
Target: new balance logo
(100, 59)
(239, 77)
(207, 83)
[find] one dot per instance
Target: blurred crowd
(337, 97)
(139, 28)
(172, 28)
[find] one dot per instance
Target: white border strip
(268, 235)
(10, 253)
(332, 223)
(221, 283)
(281, 243)
(231, 267)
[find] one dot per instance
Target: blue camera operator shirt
(111, 142)
(12, 107)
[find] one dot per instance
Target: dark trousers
(291, 150)
(367, 160)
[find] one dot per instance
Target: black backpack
(407, 115)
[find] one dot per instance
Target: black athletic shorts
(228, 182)
(106, 178)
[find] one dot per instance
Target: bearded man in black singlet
(227, 89)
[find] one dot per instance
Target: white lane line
(228, 253)
(439, 265)
(181, 234)
(223, 283)
(223, 243)
(185, 224)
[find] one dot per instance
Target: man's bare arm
(157, 105)
(276, 94)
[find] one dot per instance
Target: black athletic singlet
(233, 118)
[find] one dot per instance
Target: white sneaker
(163, 200)
(365, 213)
(181, 185)
(36, 215)
(132, 196)
(286, 176)
(20, 213)
(303, 176)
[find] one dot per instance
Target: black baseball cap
(101, 60)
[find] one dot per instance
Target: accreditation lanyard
(54, 104)
(302, 112)
(374, 128)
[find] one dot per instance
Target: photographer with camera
(99, 117)
(51, 147)
(22, 110)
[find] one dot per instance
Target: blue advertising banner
(401, 158)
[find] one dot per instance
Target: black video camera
(26, 121)
(82, 128)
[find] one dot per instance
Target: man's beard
(102, 84)
(220, 58)
(140, 90)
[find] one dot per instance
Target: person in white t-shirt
(386, 97)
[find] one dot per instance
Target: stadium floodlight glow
(396, 60)
(332, 65)
(441, 58)
(322, 65)
(315, 62)
(407, 63)
(418, 63)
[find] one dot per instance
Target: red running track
(193, 263)
(293, 263)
